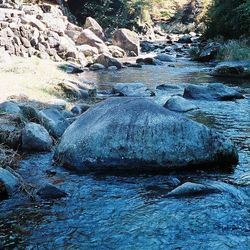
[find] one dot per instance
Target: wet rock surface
(132, 90)
(113, 135)
(179, 104)
(36, 138)
(232, 69)
(214, 91)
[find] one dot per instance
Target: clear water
(133, 212)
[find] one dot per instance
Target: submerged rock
(232, 69)
(211, 92)
(191, 189)
(132, 90)
(36, 138)
(137, 134)
(51, 192)
(179, 104)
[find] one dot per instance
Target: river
(133, 212)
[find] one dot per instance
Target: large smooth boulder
(36, 138)
(211, 92)
(135, 89)
(127, 40)
(232, 69)
(137, 134)
(95, 27)
(89, 38)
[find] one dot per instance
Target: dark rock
(185, 39)
(132, 90)
(30, 113)
(36, 138)
(10, 130)
(232, 69)
(179, 104)
(132, 65)
(96, 66)
(80, 108)
(167, 87)
(208, 52)
(51, 192)
(148, 61)
(211, 92)
(137, 134)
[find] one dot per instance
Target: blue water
(133, 212)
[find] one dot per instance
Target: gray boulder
(89, 38)
(36, 138)
(107, 61)
(211, 92)
(132, 89)
(137, 134)
(94, 26)
(127, 40)
(54, 122)
(232, 69)
(179, 104)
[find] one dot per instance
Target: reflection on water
(133, 212)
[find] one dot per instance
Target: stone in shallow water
(137, 134)
(51, 192)
(179, 104)
(134, 89)
(212, 92)
(232, 69)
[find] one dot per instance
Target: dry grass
(32, 77)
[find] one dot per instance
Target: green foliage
(229, 18)
(235, 50)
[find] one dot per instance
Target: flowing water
(133, 212)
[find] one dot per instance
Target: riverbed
(133, 212)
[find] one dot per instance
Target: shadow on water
(124, 211)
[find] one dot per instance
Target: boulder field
(124, 133)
